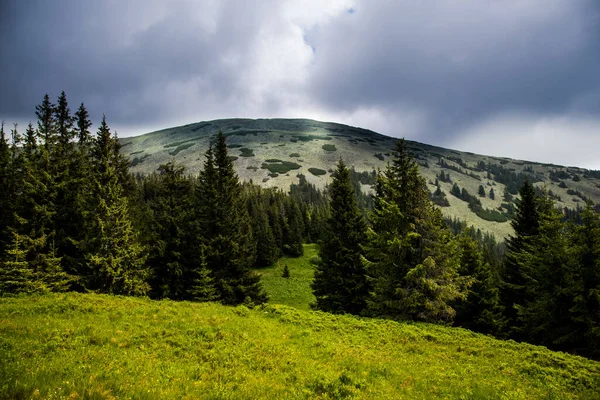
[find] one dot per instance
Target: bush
(329, 147)
(317, 171)
(280, 167)
(246, 152)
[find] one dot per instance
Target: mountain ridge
(272, 152)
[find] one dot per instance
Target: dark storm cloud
(460, 62)
(440, 71)
(120, 57)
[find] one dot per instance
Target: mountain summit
(478, 189)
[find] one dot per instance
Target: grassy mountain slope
(272, 152)
(104, 347)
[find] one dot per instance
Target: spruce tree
(340, 284)
(68, 178)
(15, 274)
(411, 257)
(116, 259)
(35, 210)
(481, 191)
(514, 282)
(586, 286)
(225, 230)
(293, 229)
(267, 250)
(481, 311)
(46, 124)
(178, 272)
(6, 192)
(547, 265)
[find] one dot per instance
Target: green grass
(329, 147)
(77, 346)
(294, 291)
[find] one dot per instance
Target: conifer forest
(73, 218)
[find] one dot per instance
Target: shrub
(317, 171)
(329, 147)
(181, 148)
(280, 167)
(246, 152)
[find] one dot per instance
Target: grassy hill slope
(272, 152)
(101, 347)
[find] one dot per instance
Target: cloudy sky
(516, 78)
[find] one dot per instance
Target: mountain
(272, 152)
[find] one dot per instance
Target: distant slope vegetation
(272, 152)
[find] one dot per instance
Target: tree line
(72, 217)
(404, 262)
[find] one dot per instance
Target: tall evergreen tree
(267, 250)
(116, 259)
(547, 266)
(35, 211)
(586, 288)
(526, 226)
(481, 311)
(6, 192)
(46, 124)
(68, 178)
(293, 229)
(340, 284)
(410, 254)
(226, 232)
(177, 271)
(15, 274)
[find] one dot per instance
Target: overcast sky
(516, 78)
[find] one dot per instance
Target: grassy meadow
(76, 346)
(294, 291)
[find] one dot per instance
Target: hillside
(272, 152)
(105, 347)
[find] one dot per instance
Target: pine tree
(481, 311)
(225, 230)
(15, 274)
(286, 272)
(178, 271)
(267, 250)
(35, 209)
(46, 124)
(410, 255)
(340, 283)
(83, 124)
(6, 192)
(293, 229)
(526, 228)
(586, 288)
(116, 260)
(68, 178)
(481, 191)
(548, 270)
(492, 194)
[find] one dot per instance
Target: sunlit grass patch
(102, 347)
